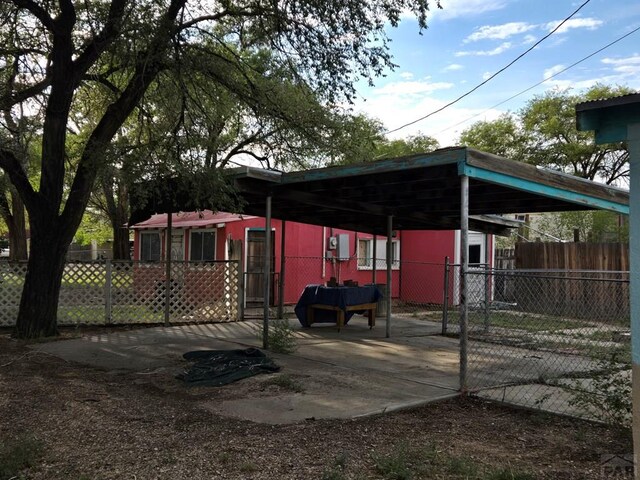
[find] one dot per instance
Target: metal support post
(389, 265)
(445, 296)
(464, 287)
(282, 270)
(374, 260)
(267, 273)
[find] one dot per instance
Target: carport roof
(422, 192)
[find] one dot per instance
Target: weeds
(282, 337)
(287, 382)
(16, 455)
(404, 463)
(608, 392)
(337, 470)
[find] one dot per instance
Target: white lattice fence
(11, 282)
(99, 293)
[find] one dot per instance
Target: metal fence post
(487, 271)
(445, 296)
(107, 292)
(464, 280)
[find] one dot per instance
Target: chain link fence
(552, 339)
(125, 292)
(557, 340)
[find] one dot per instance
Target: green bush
(282, 337)
(608, 394)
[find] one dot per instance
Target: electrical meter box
(342, 248)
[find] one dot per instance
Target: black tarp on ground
(221, 367)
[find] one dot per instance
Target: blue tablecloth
(336, 296)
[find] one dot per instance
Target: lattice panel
(99, 293)
(82, 294)
(11, 282)
(204, 292)
(137, 292)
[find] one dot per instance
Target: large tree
(60, 49)
(544, 133)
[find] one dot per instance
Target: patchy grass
(405, 463)
(285, 381)
(529, 322)
(19, 454)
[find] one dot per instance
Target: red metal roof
(205, 218)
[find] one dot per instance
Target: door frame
(245, 255)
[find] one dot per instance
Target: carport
(453, 188)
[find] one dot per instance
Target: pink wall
(423, 255)
(305, 245)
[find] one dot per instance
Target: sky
(469, 40)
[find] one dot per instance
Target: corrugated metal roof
(205, 218)
(609, 102)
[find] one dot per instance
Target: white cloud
(550, 72)
(406, 75)
(626, 70)
(411, 88)
(486, 75)
(394, 111)
(529, 39)
(616, 71)
(467, 8)
(484, 53)
(453, 67)
(588, 23)
(499, 32)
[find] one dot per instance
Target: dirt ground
(98, 424)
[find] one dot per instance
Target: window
(365, 254)
(203, 245)
(475, 254)
(149, 246)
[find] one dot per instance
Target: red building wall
(423, 256)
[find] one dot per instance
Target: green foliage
(94, 226)
(336, 471)
(593, 226)
(607, 393)
(544, 133)
(362, 139)
(282, 337)
(395, 465)
(18, 454)
(502, 137)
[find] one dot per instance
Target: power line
(494, 75)
(544, 80)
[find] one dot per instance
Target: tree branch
(12, 167)
(37, 11)
(94, 48)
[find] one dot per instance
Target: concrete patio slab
(345, 374)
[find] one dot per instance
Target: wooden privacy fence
(582, 280)
(572, 256)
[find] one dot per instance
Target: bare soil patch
(98, 424)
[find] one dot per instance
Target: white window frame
(381, 256)
(157, 233)
(215, 243)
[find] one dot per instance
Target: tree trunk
(37, 316)
(121, 250)
(17, 229)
